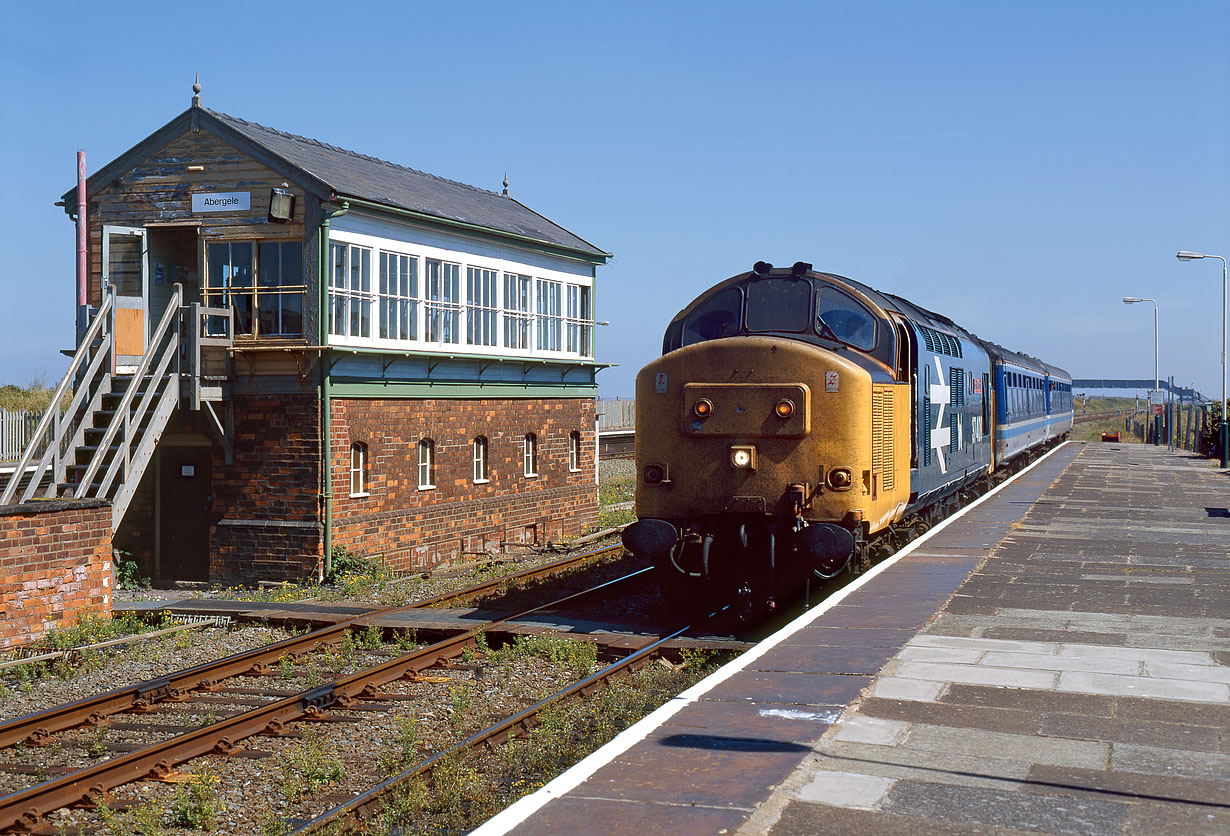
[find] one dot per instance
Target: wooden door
(184, 489)
(125, 267)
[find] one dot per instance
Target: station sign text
(222, 202)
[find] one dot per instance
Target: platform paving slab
(1109, 604)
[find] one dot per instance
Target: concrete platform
(1054, 660)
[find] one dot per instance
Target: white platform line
(568, 780)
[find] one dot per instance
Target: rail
(39, 726)
(27, 808)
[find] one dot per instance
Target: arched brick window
(427, 463)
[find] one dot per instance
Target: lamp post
(1224, 436)
(1157, 419)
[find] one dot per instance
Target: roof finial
(196, 91)
(505, 192)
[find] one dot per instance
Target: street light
(1224, 436)
(1157, 419)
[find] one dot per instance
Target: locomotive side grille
(882, 441)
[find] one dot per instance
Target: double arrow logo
(941, 396)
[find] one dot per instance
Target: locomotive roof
(897, 304)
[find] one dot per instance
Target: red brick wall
(411, 528)
(55, 567)
(266, 504)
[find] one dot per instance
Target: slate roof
(327, 169)
(356, 175)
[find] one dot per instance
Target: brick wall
(411, 528)
(265, 511)
(55, 567)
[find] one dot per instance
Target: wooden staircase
(99, 446)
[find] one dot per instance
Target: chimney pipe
(83, 263)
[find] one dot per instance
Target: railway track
(25, 810)
(352, 814)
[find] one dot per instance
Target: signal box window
(426, 464)
(574, 451)
(530, 454)
(358, 469)
(480, 460)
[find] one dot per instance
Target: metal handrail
(52, 412)
(170, 315)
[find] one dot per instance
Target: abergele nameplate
(222, 202)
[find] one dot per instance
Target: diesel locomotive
(799, 422)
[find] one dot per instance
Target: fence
(16, 428)
(616, 413)
(1186, 425)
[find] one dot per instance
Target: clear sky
(1019, 167)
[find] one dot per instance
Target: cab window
(716, 317)
(842, 317)
(778, 305)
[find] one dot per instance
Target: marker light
(742, 458)
(784, 408)
(703, 408)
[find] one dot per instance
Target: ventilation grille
(939, 342)
(882, 445)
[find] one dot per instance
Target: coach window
(530, 454)
(358, 469)
(480, 460)
(426, 464)
(841, 317)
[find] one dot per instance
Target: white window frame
(358, 469)
(350, 289)
(529, 456)
(574, 452)
(442, 302)
(482, 306)
(580, 320)
(549, 314)
(518, 311)
(482, 471)
(427, 462)
(398, 306)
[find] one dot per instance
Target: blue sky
(1018, 167)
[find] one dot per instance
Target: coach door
(125, 267)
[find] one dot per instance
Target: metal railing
(99, 446)
(48, 442)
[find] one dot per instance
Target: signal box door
(125, 266)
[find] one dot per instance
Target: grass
(88, 630)
(463, 791)
(309, 766)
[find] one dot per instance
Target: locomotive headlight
(655, 474)
(703, 408)
(784, 408)
(840, 478)
(743, 458)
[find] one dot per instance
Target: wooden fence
(616, 413)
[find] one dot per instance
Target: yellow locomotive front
(769, 439)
